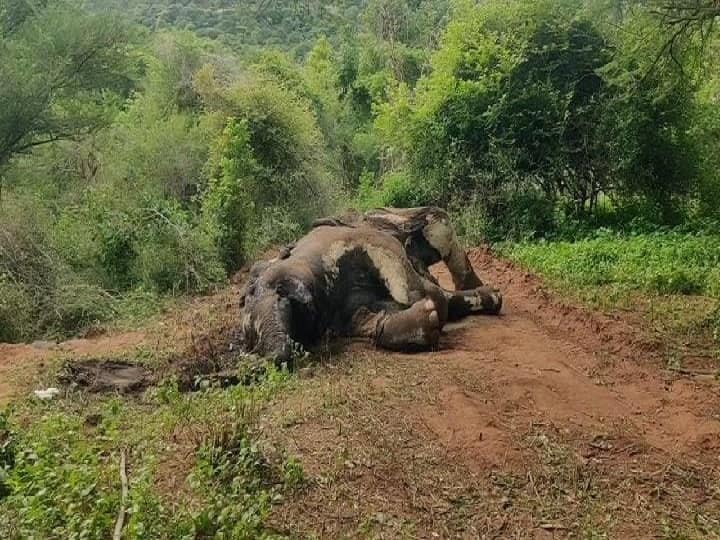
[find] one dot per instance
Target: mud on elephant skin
(363, 275)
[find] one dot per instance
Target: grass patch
(195, 465)
(657, 263)
(672, 279)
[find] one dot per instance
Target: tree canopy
(63, 72)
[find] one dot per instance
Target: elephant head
(278, 312)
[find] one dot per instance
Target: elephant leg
(480, 301)
(416, 328)
(441, 236)
(463, 275)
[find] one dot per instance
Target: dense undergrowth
(671, 278)
(656, 263)
(195, 466)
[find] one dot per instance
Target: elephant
(363, 275)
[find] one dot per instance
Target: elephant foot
(489, 301)
(479, 301)
(414, 329)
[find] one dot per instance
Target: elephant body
(362, 275)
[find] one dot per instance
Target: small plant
(234, 475)
(657, 263)
(168, 391)
(293, 473)
(7, 454)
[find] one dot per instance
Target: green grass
(670, 278)
(195, 467)
(658, 263)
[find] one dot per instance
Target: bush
(227, 205)
(16, 311)
(174, 255)
(531, 103)
(7, 454)
(396, 189)
(29, 268)
(276, 226)
(713, 282)
(77, 305)
(268, 177)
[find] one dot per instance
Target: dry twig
(120, 522)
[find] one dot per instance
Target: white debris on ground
(47, 394)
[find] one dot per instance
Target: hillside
(289, 25)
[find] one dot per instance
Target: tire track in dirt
(599, 365)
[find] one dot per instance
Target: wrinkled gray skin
(362, 275)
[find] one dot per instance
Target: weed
(657, 263)
(293, 473)
(7, 453)
(61, 470)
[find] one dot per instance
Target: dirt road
(550, 421)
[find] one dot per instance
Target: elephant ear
(253, 275)
(296, 291)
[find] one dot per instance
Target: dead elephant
(363, 275)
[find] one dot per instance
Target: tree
(688, 17)
(61, 71)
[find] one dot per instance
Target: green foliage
(268, 159)
(40, 292)
(16, 311)
(246, 23)
(397, 189)
(705, 131)
(235, 473)
(660, 263)
(521, 214)
(293, 473)
(227, 204)
(537, 99)
(7, 453)
(58, 484)
(61, 469)
(649, 119)
(62, 71)
(170, 192)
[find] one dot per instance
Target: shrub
(531, 100)
(266, 169)
(227, 205)
(16, 311)
(172, 254)
(77, 305)
(396, 189)
(713, 282)
(239, 511)
(28, 270)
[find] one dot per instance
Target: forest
(150, 150)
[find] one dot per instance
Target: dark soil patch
(106, 376)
